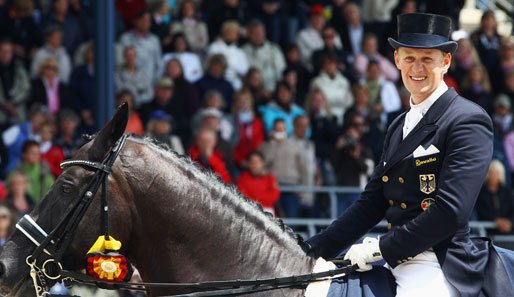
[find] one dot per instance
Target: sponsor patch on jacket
(425, 204)
(421, 162)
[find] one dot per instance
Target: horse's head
(60, 199)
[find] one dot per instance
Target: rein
(54, 244)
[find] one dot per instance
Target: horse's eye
(66, 188)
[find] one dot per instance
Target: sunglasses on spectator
(328, 36)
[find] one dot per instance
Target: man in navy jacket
(434, 162)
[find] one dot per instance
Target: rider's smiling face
(422, 70)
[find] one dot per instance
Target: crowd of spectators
(265, 93)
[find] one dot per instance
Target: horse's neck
(196, 230)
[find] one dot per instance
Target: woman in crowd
(258, 184)
(495, 201)
(159, 127)
(19, 199)
(250, 127)
(477, 87)
(48, 89)
(191, 27)
(6, 223)
(190, 61)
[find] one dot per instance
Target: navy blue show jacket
(426, 200)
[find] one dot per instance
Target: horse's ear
(110, 133)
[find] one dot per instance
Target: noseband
(58, 240)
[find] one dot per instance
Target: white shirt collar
(425, 105)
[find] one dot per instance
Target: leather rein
(58, 240)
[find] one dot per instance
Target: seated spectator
(309, 39)
(250, 127)
(14, 137)
(182, 88)
(194, 29)
(253, 83)
(299, 91)
(283, 107)
(38, 172)
(52, 49)
(502, 114)
(345, 61)
(212, 118)
(303, 75)
(19, 24)
(324, 132)
(507, 55)
(377, 15)
(221, 11)
(160, 10)
(18, 198)
(214, 79)
(301, 127)
(495, 202)
(134, 125)
(189, 61)
(7, 223)
(237, 63)
(68, 139)
(48, 90)
(352, 33)
(284, 159)
(128, 9)
(83, 86)
(264, 55)
(146, 44)
(72, 30)
(258, 184)
(130, 77)
(383, 95)
(214, 104)
(204, 152)
(477, 88)
(164, 99)
(465, 56)
(159, 127)
(270, 12)
(52, 154)
(352, 160)
(335, 87)
(370, 53)
(487, 43)
(14, 87)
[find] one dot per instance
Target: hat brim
(448, 46)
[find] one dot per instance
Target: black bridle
(58, 240)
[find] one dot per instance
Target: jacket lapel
(424, 128)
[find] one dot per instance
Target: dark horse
(177, 222)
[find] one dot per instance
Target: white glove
(364, 253)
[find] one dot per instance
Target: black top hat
(423, 30)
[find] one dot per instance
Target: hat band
(422, 39)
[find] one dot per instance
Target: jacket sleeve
(466, 161)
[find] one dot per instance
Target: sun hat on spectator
(424, 30)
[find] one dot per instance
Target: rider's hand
(364, 253)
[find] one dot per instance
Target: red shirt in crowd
(53, 157)
(3, 191)
(263, 189)
(252, 136)
(215, 163)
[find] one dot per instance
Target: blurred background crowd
(265, 93)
